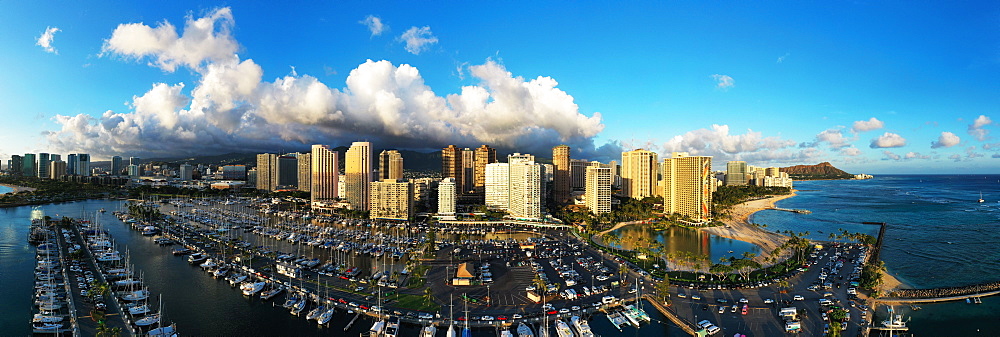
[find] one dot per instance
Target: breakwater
(943, 294)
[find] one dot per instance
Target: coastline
(738, 226)
(18, 189)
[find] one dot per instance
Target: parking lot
(806, 290)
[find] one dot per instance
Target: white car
(695, 297)
(799, 298)
(681, 295)
(744, 300)
(768, 301)
(722, 309)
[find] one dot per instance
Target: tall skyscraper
(134, 161)
(497, 187)
(391, 199)
(71, 163)
(133, 171)
(116, 165)
(468, 170)
(267, 167)
(446, 196)
(687, 186)
(305, 171)
(526, 188)
(325, 174)
(358, 169)
(639, 174)
(451, 165)
(83, 164)
(390, 165)
(28, 163)
(43, 165)
(598, 189)
(186, 172)
(16, 165)
(736, 173)
(288, 171)
(561, 177)
(57, 169)
(578, 173)
(484, 155)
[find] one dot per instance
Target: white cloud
(977, 130)
(850, 151)
(890, 156)
(955, 157)
(418, 39)
(206, 39)
(781, 59)
(230, 108)
(750, 146)
(947, 139)
(723, 82)
(45, 41)
(374, 25)
(869, 125)
(888, 139)
(916, 155)
(834, 137)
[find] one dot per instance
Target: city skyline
(819, 83)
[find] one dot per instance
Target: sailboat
(981, 197)
(451, 318)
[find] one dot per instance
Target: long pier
(800, 211)
(688, 327)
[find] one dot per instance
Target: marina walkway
(688, 327)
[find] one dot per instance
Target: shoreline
(738, 226)
(19, 189)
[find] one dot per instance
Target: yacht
(313, 314)
(209, 264)
(47, 328)
(274, 291)
(251, 288)
(563, 330)
(137, 295)
(506, 333)
(39, 318)
(299, 306)
(392, 329)
(325, 317)
(428, 331)
(237, 279)
(451, 331)
(166, 331)
(196, 257)
(582, 326)
(523, 330)
(138, 309)
(376, 329)
(148, 320)
(291, 301)
(108, 256)
(895, 322)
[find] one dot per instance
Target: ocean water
(938, 235)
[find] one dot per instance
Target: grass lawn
(414, 302)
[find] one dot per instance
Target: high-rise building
(71, 163)
(287, 172)
(598, 189)
(186, 172)
(28, 163)
(447, 193)
(390, 165)
(83, 164)
(267, 167)
(497, 185)
(578, 174)
(116, 165)
(43, 165)
(736, 173)
(133, 171)
(484, 155)
(358, 170)
(251, 177)
(561, 177)
(526, 188)
(616, 174)
(468, 170)
(639, 174)
(134, 161)
(424, 193)
(391, 199)
(451, 165)
(229, 172)
(687, 186)
(16, 165)
(305, 171)
(325, 174)
(57, 169)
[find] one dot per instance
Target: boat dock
(684, 324)
(113, 317)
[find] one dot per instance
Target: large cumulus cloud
(231, 108)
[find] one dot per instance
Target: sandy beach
(18, 189)
(739, 227)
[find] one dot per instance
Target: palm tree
(103, 330)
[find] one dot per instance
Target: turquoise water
(5, 189)
(939, 235)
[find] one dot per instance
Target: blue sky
(775, 83)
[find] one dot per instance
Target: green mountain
(823, 170)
